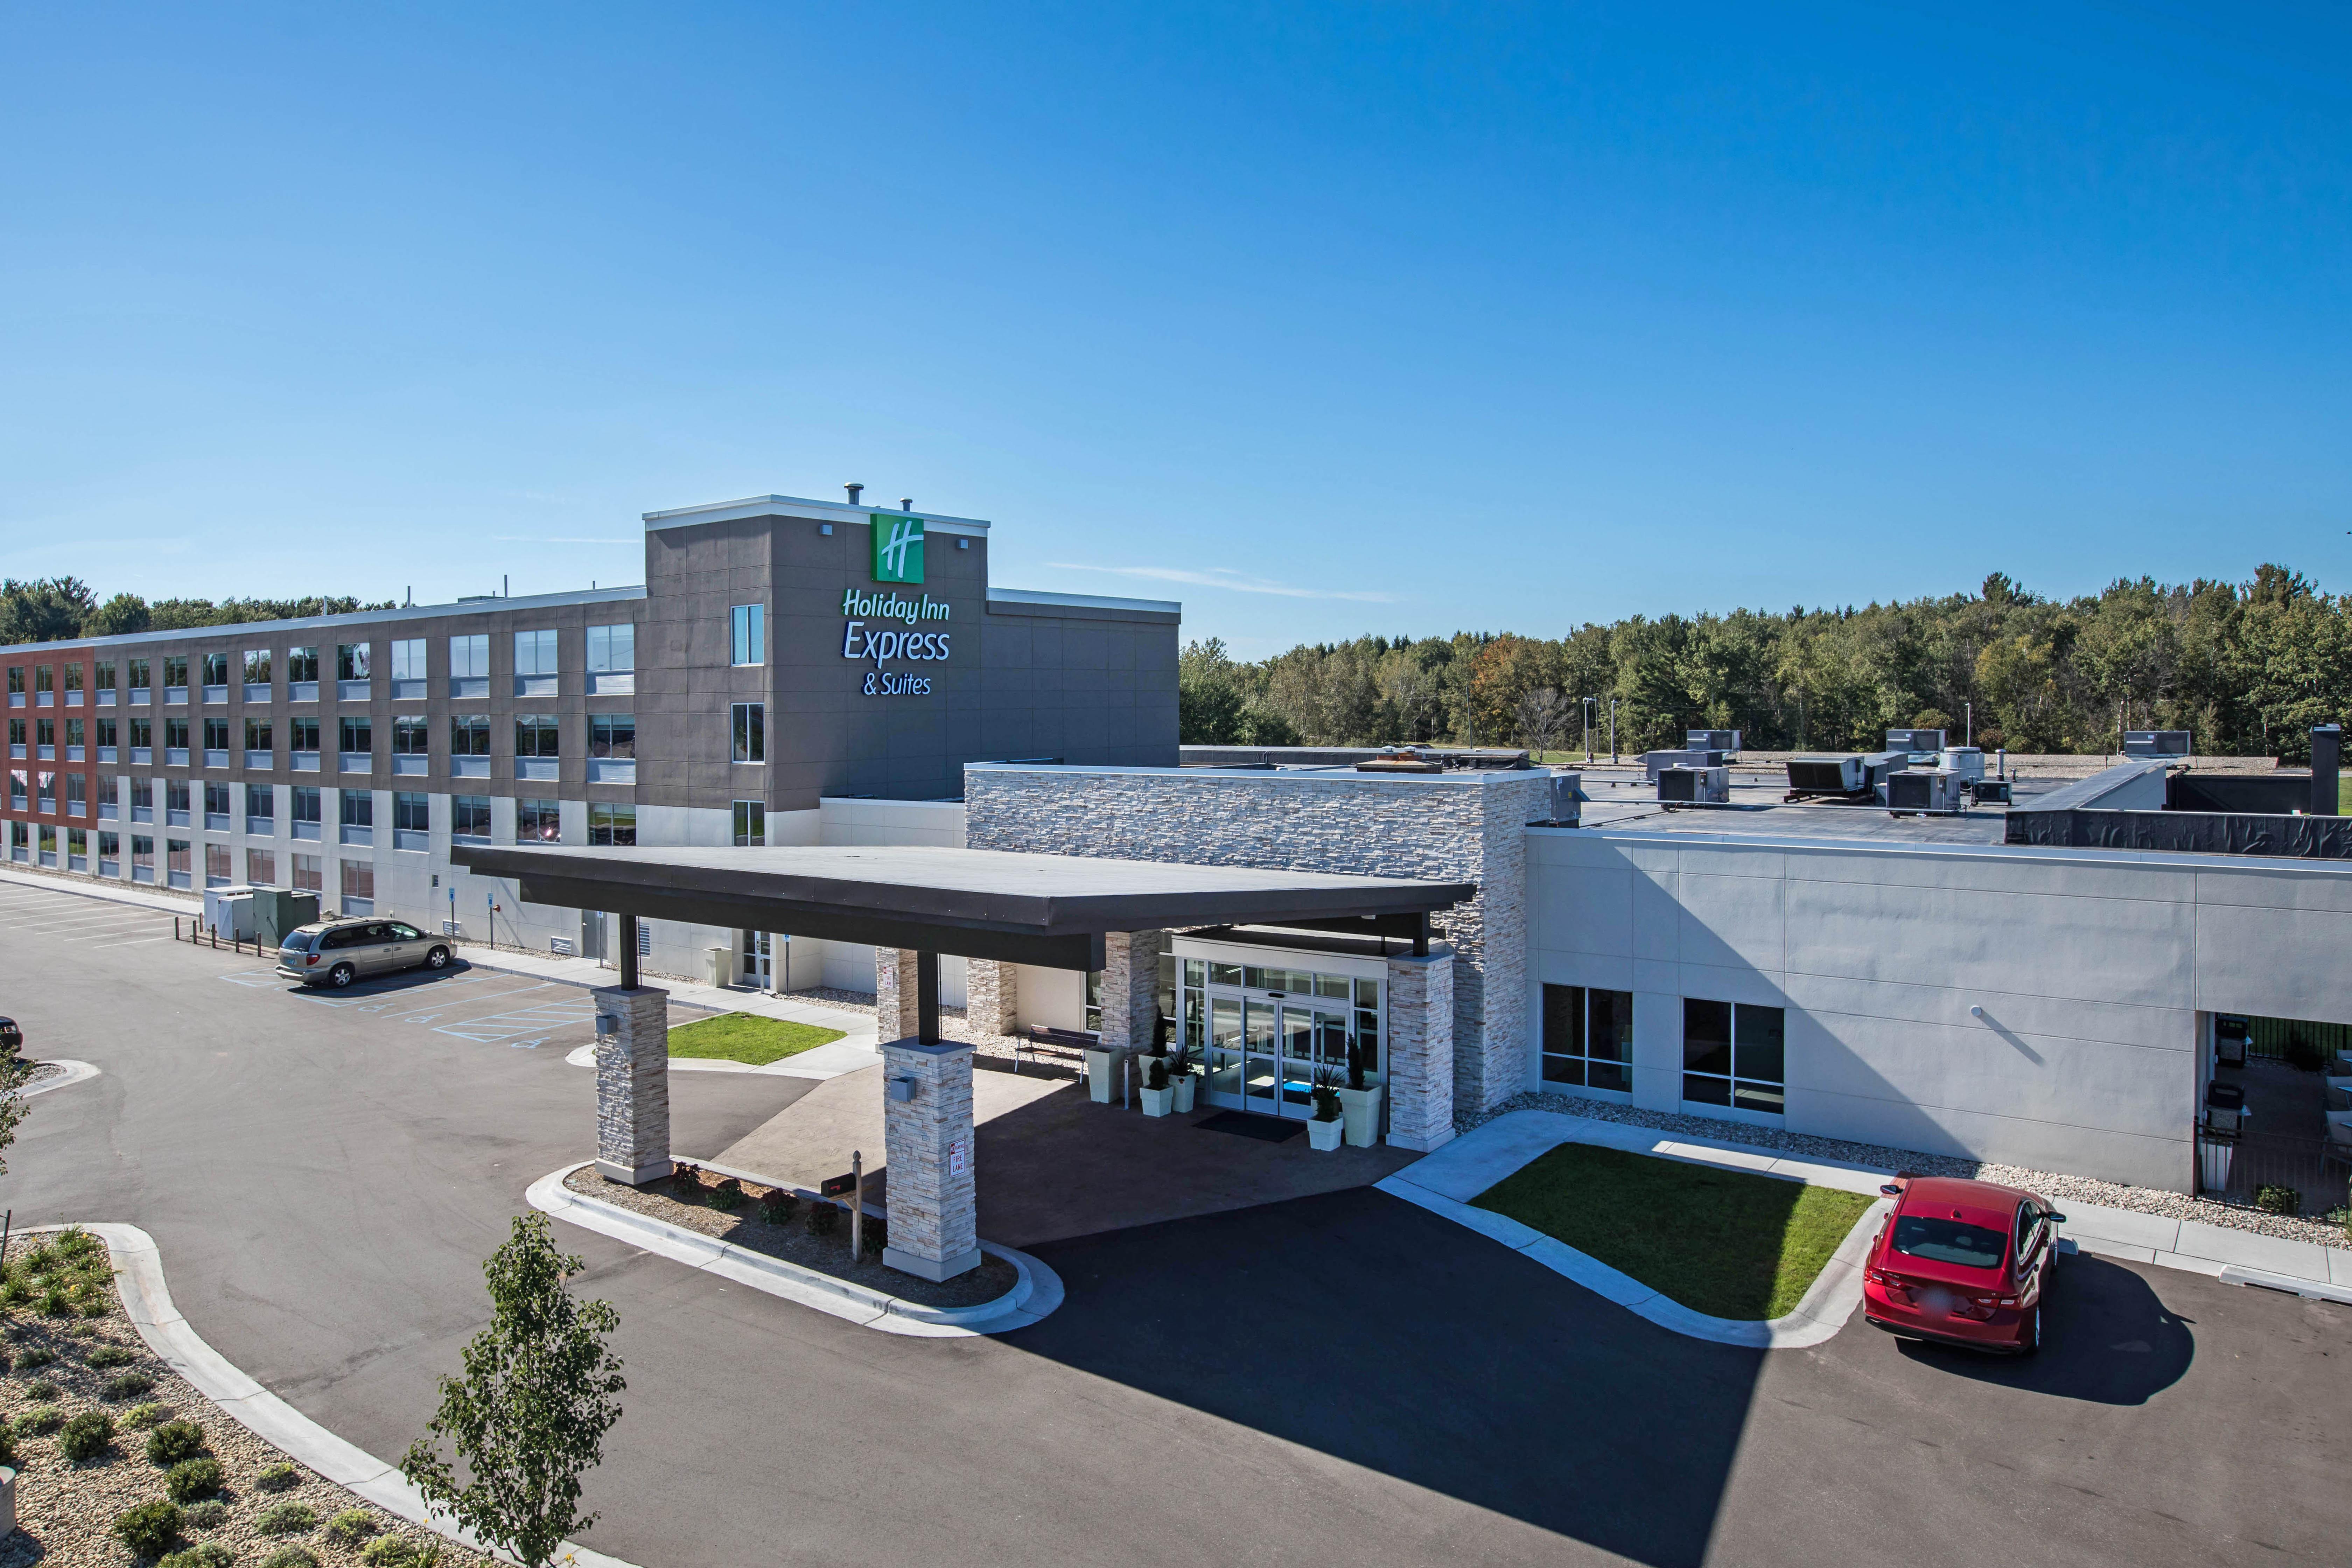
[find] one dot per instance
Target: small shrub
(728, 1196)
(129, 1386)
(823, 1218)
(8, 1448)
(175, 1441)
(41, 1389)
(35, 1355)
(140, 1418)
(2273, 1199)
(15, 1292)
(74, 1242)
(191, 1480)
(4, 1361)
(40, 1421)
(280, 1476)
(149, 1528)
(291, 1557)
(778, 1205)
(875, 1234)
(208, 1555)
(399, 1552)
(41, 1259)
(88, 1435)
(351, 1526)
(105, 1356)
(208, 1515)
(56, 1303)
(287, 1519)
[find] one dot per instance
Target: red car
(1961, 1262)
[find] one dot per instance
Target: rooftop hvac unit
(1925, 790)
(1695, 786)
(1652, 761)
(2155, 743)
(1827, 776)
(1989, 791)
(1711, 739)
(1918, 742)
(1567, 802)
(1965, 761)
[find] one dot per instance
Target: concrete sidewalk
(170, 900)
(1469, 1165)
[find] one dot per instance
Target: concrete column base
(633, 1084)
(928, 1147)
(1421, 1050)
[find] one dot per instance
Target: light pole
(1588, 732)
(1613, 732)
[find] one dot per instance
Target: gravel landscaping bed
(43, 1071)
(2050, 1183)
(690, 1200)
(67, 1509)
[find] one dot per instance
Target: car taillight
(309, 959)
(1980, 1308)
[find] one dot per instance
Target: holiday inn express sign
(898, 558)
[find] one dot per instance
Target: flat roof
(1615, 800)
(229, 631)
(1050, 909)
(801, 506)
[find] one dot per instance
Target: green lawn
(745, 1037)
(1726, 1242)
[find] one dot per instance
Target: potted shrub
(1183, 1080)
(1159, 1095)
(1359, 1102)
(1323, 1132)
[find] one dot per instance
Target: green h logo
(897, 548)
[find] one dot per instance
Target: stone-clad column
(894, 996)
(1421, 1050)
(992, 996)
(927, 1146)
(1130, 987)
(633, 1084)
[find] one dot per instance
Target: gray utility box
(1711, 739)
(2155, 743)
(1568, 798)
(1827, 776)
(278, 914)
(1695, 786)
(228, 911)
(1925, 790)
(1652, 761)
(1918, 742)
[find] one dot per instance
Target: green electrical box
(278, 913)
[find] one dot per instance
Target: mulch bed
(691, 1199)
(66, 1510)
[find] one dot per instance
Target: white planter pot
(1102, 1077)
(1159, 1102)
(1324, 1135)
(1360, 1114)
(1182, 1088)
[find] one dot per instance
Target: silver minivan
(336, 953)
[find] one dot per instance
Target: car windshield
(1950, 1241)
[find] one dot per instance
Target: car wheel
(438, 959)
(343, 975)
(2032, 1343)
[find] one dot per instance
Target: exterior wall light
(1975, 1012)
(903, 1088)
(607, 1025)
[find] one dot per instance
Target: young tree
(531, 1412)
(14, 1072)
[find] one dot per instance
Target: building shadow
(2106, 1338)
(1361, 1326)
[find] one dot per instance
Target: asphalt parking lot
(1340, 1376)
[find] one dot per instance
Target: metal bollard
(175, 928)
(856, 1205)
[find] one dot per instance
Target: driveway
(1332, 1376)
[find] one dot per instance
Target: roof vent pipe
(905, 503)
(855, 490)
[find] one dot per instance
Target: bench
(1063, 1042)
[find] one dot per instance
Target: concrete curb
(1037, 1292)
(147, 1302)
(1815, 1320)
(789, 1067)
(2312, 1289)
(76, 1072)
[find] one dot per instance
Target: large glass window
(178, 861)
(411, 735)
(215, 669)
(747, 636)
(310, 874)
(176, 735)
(138, 681)
(750, 823)
(73, 680)
(613, 650)
(408, 660)
(175, 673)
(412, 812)
(470, 735)
(612, 825)
(470, 658)
(612, 735)
(257, 666)
(305, 803)
(537, 735)
(44, 679)
(469, 818)
(539, 822)
(750, 731)
(359, 887)
(351, 662)
(261, 867)
(1734, 1055)
(220, 865)
(217, 799)
(302, 732)
(256, 734)
(142, 858)
(102, 675)
(302, 665)
(358, 809)
(260, 808)
(535, 652)
(215, 734)
(357, 733)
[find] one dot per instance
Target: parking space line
(135, 941)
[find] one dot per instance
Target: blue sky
(1395, 318)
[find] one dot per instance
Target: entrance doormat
(1264, 1128)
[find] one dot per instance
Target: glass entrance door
(759, 960)
(1263, 1052)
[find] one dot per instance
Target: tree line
(2248, 668)
(60, 609)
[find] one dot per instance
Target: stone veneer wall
(1458, 827)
